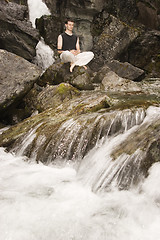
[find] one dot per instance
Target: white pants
(80, 59)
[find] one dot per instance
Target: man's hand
(75, 52)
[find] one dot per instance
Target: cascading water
(48, 202)
(44, 54)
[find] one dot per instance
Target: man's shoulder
(65, 34)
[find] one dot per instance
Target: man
(69, 48)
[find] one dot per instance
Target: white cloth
(80, 59)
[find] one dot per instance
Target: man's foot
(72, 66)
(85, 67)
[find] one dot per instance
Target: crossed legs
(79, 60)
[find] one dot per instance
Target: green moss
(63, 89)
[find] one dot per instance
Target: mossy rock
(53, 75)
(54, 96)
(59, 72)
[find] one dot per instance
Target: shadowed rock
(16, 33)
(59, 72)
(111, 43)
(17, 77)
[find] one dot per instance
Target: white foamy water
(45, 202)
(39, 202)
(99, 170)
(44, 54)
(37, 8)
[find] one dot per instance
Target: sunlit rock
(49, 97)
(112, 82)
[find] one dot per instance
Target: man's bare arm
(59, 44)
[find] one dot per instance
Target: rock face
(126, 70)
(82, 12)
(149, 13)
(16, 33)
(49, 27)
(144, 52)
(119, 30)
(112, 82)
(111, 43)
(17, 77)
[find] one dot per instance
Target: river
(39, 202)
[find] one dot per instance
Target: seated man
(69, 48)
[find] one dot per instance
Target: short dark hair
(69, 20)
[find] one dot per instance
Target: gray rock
(49, 97)
(114, 39)
(148, 13)
(14, 10)
(17, 77)
(113, 83)
(126, 70)
(17, 35)
(59, 72)
(49, 28)
(143, 53)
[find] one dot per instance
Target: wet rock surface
(61, 116)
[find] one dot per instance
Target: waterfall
(75, 137)
(100, 171)
(44, 54)
(52, 202)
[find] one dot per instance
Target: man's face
(69, 25)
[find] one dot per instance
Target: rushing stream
(39, 202)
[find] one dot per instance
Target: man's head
(69, 24)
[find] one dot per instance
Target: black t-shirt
(69, 41)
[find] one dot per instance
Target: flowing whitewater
(44, 54)
(48, 202)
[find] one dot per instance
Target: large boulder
(51, 96)
(59, 72)
(126, 70)
(143, 52)
(49, 28)
(112, 82)
(16, 33)
(126, 10)
(14, 10)
(115, 38)
(149, 13)
(17, 77)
